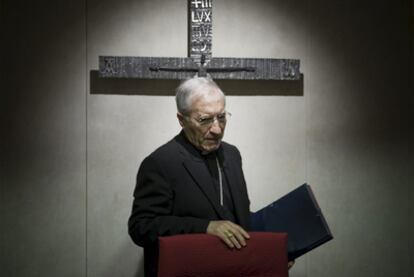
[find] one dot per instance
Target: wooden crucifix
(200, 60)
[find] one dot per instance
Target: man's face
(204, 126)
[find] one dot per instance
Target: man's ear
(180, 119)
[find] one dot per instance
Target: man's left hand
(232, 234)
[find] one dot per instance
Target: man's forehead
(207, 99)
(206, 93)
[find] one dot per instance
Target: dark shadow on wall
(119, 86)
(140, 268)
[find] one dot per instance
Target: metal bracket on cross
(200, 60)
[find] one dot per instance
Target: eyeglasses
(208, 121)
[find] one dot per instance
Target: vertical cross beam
(200, 31)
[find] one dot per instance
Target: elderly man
(194, 183)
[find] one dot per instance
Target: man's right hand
(232, 234)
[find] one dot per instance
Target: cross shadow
(162, 87)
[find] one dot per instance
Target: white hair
(192, 87)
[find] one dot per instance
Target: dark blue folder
(298, 214)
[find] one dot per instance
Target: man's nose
(215, 127)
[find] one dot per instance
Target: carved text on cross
(200, 31)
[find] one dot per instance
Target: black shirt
(211, 162)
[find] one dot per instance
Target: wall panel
(43, 139)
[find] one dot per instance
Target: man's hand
(232, 234)
(290, 264)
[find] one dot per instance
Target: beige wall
(69, 156)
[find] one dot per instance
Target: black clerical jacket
(174, 194)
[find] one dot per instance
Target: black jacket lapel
(234, 181)
(199, 171)
(196, 167)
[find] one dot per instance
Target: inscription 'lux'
(203, 16)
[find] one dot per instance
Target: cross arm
(182, 68)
